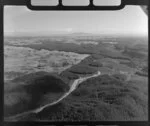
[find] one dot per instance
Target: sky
(129, 21)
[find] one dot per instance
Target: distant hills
(47, 33)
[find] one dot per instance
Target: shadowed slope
(31, 91)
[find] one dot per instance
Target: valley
(39, 73)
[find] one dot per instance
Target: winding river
(73, 86)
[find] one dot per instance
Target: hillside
(105, 98)
(29, 91)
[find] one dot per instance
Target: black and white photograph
(76, 65)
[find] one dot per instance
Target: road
(72, 88)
